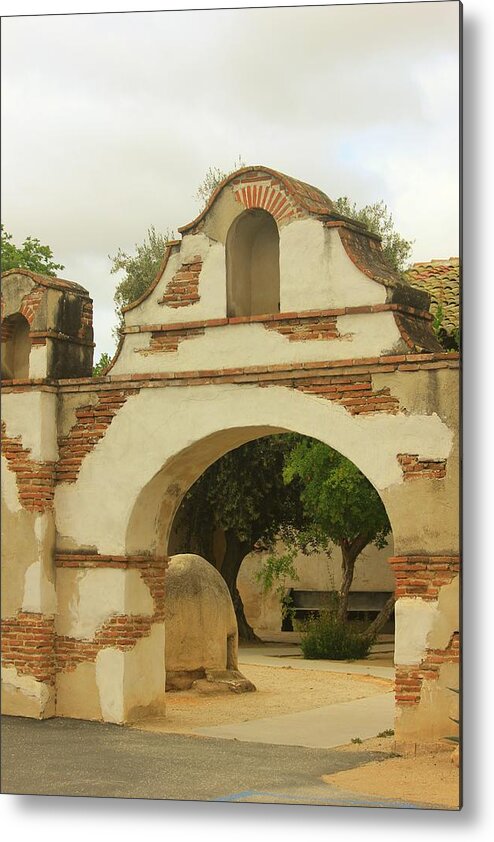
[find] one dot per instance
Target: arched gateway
(94, 469)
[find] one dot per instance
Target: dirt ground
(427, 779)
(280, 690)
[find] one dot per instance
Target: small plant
(356, 740)
(327, 636)
(387, 733)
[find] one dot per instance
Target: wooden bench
(362, 605)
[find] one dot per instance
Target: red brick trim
(283, 373)
(415, 468)
(90, 427)
(409, 679)
(35, 480)
(305, 198)
(28, 641)
(268, 194)
(423, 575)
(31, 302)
(125, 562)
(183, 289)
(268, 318)
(367, 255)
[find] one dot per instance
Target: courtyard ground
(289, 742)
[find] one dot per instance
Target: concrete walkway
(323, 727)
(326, 727)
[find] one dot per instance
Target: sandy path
(280, 690)
(426, 779)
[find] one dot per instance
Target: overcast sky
(110, 122)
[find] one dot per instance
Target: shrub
(325, 636)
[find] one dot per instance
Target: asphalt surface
(75, 757)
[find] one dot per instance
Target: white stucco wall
(146, 431)
(32, 415)
(241, 345)
(315, 273)
(87, 598)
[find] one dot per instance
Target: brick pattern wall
(121, 631)
(409, 680)
(183, 289)
(354, 392)
(169, 340)
(300, 329)
(423, 575)
(31, 302)
(415, 468)
(262, 191)
(35, 480)
(28, 642)
(90, 427)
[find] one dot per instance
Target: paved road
(73, 757)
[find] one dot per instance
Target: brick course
(269, 194)
(415, 468)
(120, 631)
(28, 641)
(90, 427)
(296, 330)
(35, 480)
(409, 679)
(168, 341)
(423, 575)
(183, 289)
(31, 302)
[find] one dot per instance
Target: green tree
(102, 363)
(140, 269)
(213, 177)
(379, 220)
(243, 496)
(31, 255)
(341, 507)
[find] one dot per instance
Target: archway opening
(16, 347)
(244, 517)
(253, 265)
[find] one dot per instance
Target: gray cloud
(110, 122)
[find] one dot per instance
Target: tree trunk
(347, 569)
(381, 619)
(350, 551)
(235, 553)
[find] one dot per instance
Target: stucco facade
(94, 469)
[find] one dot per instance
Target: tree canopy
(285, 486)
(242, 495)
(31, 255)
(379, 220)
(140, 269)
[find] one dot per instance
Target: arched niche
(253, 265)
(16, 347)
